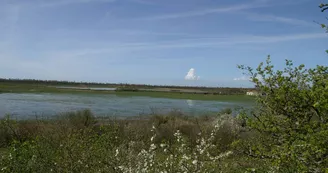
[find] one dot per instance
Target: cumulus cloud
(191, 75)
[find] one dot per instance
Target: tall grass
(78, 142)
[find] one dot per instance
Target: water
(29, 105)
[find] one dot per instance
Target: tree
(323, 7)
(290, 121)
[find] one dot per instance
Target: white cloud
(206, 11)
(57, 3)
(191, 75)
(67, 2)
(198, 42)
(243, 78)
(280, 19)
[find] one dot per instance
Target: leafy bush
(60, 146)
(80, 119)
(290, 121)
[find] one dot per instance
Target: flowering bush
(178, 157)
(106, 150)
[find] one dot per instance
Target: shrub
(80, 119)
(86, 151)
(122, 146)
(291, 119)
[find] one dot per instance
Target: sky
(161, 42)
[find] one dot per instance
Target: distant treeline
(52, 82)
(127, 87)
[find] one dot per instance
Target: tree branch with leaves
(291, 117)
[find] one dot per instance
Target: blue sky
(156, 41)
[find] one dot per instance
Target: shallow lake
(25, 106)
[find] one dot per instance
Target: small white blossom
(152, 147)
(194, 162)
(116, 152)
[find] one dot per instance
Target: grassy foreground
(30, 88)
(77, 142)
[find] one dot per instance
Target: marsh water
(46, 105)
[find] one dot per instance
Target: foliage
(80, 119)
(323, 7)
(290, 120)
(159, 143)
(44, 84)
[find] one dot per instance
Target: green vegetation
(290, 121)
(31, 83)
(323, 7)
(76, 142)
(286, 132)
(33, 88)
(236, 98)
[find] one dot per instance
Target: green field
(41, 88)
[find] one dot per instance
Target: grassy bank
(29, 88)
(76, 141)
(238, 98)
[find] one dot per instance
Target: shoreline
(154, 94)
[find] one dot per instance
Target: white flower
(225, 154)
(152, 147)
(194, 162)
(185, 157)
(116, 152)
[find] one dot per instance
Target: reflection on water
(190, 103)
